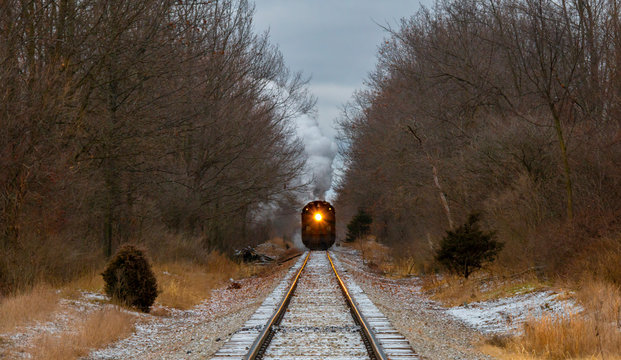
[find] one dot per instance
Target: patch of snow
(87, 295)
(504, 316)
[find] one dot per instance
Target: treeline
(508, 108)
(129, 120)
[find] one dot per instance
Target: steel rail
(264, 338)
(373, 345)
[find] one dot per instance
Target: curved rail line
(262, 342)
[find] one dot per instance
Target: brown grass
(37, 304)
(600, 260)
(182, 284)
(185, 284)
(597, 332)
(452, 290)
(374, 255)
(96, 331)
(594, 334)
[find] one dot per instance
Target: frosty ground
(434, 331)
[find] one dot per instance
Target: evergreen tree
(359, 226)
(466, 249)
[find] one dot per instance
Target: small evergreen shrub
(129, 279)
(359, 226)
(467, 249)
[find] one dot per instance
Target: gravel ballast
(432, 332)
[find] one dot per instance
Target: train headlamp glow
(318, 216)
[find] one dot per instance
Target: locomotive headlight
(318, 216)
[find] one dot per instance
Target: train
(318, 225)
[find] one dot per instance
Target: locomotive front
(318, 230)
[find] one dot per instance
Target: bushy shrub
(466, 249)
(359, 226)
(129, 279)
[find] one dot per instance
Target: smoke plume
(321, 151)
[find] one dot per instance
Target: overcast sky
(335, 42)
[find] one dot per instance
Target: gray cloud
(336, 43)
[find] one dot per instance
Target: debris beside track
(250, 254)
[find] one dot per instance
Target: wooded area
(153, 121)
(510, 108)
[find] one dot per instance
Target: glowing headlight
(318, 216)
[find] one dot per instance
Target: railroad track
(315, 317)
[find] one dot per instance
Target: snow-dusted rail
(317, 318)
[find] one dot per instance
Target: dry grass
(37, 304)
(404, 266)
(185, 284)
(182, 284)
(374, 255)
(398, 262)
(96, 331)
(594, 334)
(452, 290)
(600, 260)
(567, 337)
(91, 281)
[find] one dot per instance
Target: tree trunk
(443, 199)
(566, 168)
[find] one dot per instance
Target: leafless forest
(509, 108)
(168, 123)
(153, 121)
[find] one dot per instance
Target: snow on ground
(180, 334)
(505, 316)
(16, 344)
(437, 332)
(434, 331)
(196, 333)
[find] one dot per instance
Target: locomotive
(318, 230)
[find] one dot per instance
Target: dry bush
(129, 278)
(37, 304)
(96, 331)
